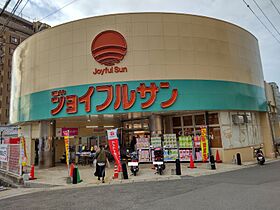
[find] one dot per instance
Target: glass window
(199, 119)
(14, 40)
(215, 134)
(188, 131)
(177, 131)
(176, 121)
(137, 124)
(188, 120)
(213, 119)
(145, 123)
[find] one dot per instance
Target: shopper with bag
(101, 160)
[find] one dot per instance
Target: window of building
(7, 112)
(11, 51)
(199, 119)
(215, 140)
(213, 119)
(188, 121)
(192, 126)
(176, 121)
(14, 40)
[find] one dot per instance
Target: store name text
(109, 70)
(123, 96)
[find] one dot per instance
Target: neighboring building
(148, 74)
(16, 31)
(273, 99)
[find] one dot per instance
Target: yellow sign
(66, 142)
(23, 152)
(204, 144)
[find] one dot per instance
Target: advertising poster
(204, 145)
(114, 146)
(3, 153)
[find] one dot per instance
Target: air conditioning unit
(238, 119)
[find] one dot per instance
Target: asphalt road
(251, 188)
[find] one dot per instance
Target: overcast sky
(234, 11)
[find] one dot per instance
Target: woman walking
(101, 160)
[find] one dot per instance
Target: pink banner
(72, 131)
(114, 146)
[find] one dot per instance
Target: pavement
(55, 178)
(252, 187)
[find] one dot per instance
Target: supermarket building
(145, 73)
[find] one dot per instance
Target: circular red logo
(108, 47)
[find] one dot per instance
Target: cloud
(232, 11)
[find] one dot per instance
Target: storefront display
(143, 149)
(156, 142)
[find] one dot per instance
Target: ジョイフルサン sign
(120, 92)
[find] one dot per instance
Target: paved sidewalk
(55, 178)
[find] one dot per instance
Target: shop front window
(213, 119)
(199, 120)
(188, 120)
(176, 121)
(215, 140)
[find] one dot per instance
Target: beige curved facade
(159, 46)
(196, 64)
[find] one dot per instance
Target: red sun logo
(108, 47)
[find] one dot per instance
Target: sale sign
(3, 153)
(204, 144)
(114, 146)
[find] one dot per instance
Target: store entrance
(131, 131)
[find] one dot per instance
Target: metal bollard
(212, 162)
(178, 167)
(75, 180)
(124, 169)
(238, 159)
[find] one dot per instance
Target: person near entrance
(101, 160)
(132, 144)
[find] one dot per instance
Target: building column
(46, 144)
(266, 135)
(156, 125)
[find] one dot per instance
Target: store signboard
(3, 153)
(114, 146)
(64, 131)
(140, 96)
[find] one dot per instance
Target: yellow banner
(204, 145)
(66, 142)
(23, 155)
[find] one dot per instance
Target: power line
(11, 15)
(266, 17)
(5, 6)
(71, 2)
(23, 7)
(261, 21)
(275, 7)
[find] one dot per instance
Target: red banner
(114, 146)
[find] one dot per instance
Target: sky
(233, 11)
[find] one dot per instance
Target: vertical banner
(204, 144)
(66, 142)
(114, 146)
(3, 153)
(23, 157)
